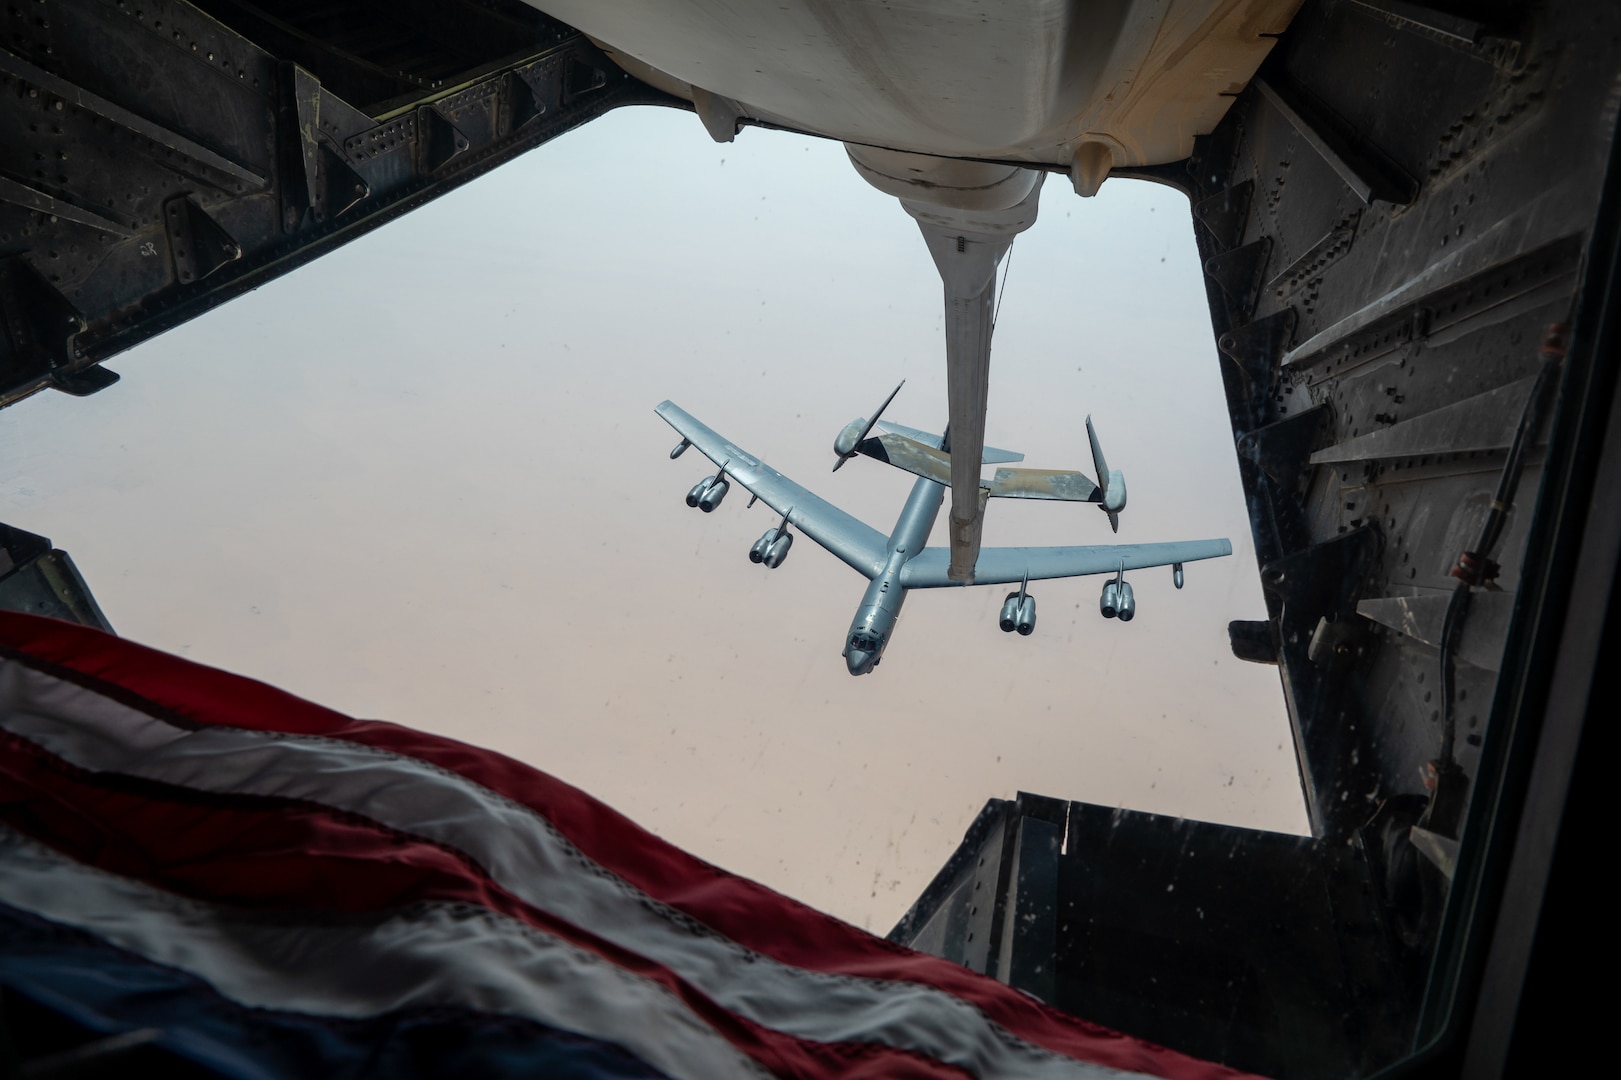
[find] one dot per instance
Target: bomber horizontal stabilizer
(991, 456)
(910, 455)
(922, 459)
(1060, 484)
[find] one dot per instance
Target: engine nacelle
(757, 552)
(1027, 616)
(1128, 602)
(713, 494)
(1109, 602)
(778, 550)
(844, 443)
(1009, 619)
(1176, 575)
(698, 490)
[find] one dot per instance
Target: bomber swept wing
(991, 455)
(857, 544)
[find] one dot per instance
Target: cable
(1007, 268)
(1475, 567)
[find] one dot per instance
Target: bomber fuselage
(880, 609)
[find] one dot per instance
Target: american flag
(279, 890)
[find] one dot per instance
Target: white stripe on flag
(523, 853)
(429, 954)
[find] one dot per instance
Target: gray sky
(421, 480)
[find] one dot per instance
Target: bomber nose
(859, 661)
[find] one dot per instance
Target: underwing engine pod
(710, 492)
(1018, 611)
(1117, 600)
(698, 490)
(1176, 575)
(1009, 618)
(772, 547)
(757, 552)
(778, 551)
(1109, 602)
(714, 491)
(1027, 616)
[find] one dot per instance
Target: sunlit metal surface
(1032, 82)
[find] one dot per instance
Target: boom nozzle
(847, 442)
(1111, 482)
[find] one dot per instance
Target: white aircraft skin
(957, 108)
(1035, 81)
(903, 561)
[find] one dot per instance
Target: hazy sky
(421, 480)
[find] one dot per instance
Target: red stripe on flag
(267, 853)
(748, 913)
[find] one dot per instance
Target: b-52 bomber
(903, 561)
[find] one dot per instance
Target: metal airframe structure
(1392, 215)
